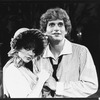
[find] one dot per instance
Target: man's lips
(56, 34)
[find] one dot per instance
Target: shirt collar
(67, 49)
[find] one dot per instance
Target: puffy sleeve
(15, 84)
(87, 83)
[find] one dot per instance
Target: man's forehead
(55, 21)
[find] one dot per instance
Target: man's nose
(56, 28)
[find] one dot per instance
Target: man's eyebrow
(51, 23)
(60, 22)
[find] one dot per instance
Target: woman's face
(26, 55)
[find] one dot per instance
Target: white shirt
(18, 82)
(76, 72)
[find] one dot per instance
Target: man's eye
(60, 24)
(51, 24)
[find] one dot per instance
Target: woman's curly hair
(31, 39)
(54, 14)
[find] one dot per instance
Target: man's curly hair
(31, 39)
(54, 14)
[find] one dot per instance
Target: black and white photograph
(50, 49)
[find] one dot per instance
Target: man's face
(56, 30)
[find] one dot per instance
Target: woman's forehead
(25, 51)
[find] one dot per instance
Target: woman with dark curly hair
(21, 77)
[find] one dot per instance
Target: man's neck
(57, 48)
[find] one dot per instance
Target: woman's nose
(31, 54)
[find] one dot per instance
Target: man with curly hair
(72, 67)
(21, 77)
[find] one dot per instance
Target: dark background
(84, 15)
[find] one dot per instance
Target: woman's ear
(44, 33)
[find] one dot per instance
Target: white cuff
(60, 88)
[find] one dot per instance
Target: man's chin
(57, 38)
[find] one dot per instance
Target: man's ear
(66, 33)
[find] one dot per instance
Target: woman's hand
(43, 75)
(51, 83)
